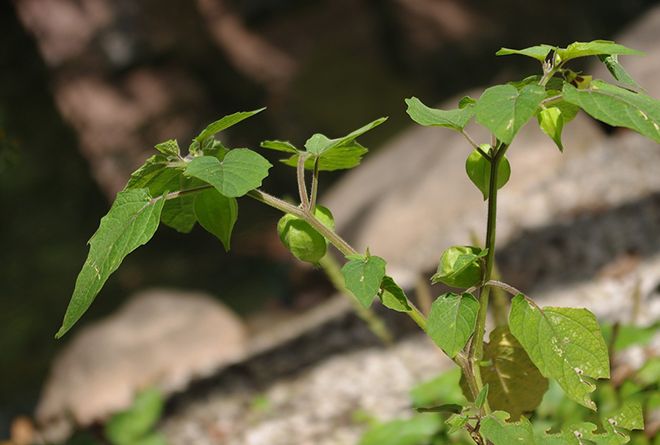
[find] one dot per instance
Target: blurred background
(87, 87)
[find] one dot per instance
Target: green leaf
(617, 70)
(338, 158)
(478, 170)
(363, 277)
(440, 390)
(217, 214)
(239, 172)
(392, 296)
(130, 223)
(156, 175)
(455, 119)
(447, 408)
(284, 146)
(499, 431)
(516, 385)
(169, 148)
(131, 427)
(564, 343)
(222, 124)
(460, 266)
(594, 48)
(179, 213)
(538, 52)
(415, 431)
(618, 107)
(504, 109)
(457, 422)
(332, 154)
(481, 397)
(319, 143)
(452, 320)
(551, 123)
(572, 51)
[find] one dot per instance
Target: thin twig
(475, 145)
(315, 186)
(302, 187)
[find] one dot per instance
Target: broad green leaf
(617, 70)
(481, 397)
(594, 48)
(332, 154)
(417, 430)
(455, 119)
(628, 416)
(452, 320)
(338, 158)
(551, 123)
(572, 51)
(499, 431)
(169, 148)
(564, 343)
(224, 123)
(156, 174)
(319, 143)
(442, 389)
(217, 214)
(284, 146)
(516, 385)
(133, 425)
(478, 170)
(538, 52)
(460, 266)
(392, 296)
(504, 109)
(239, 172)
(179, 213)
(618, 107)
(363, 277)
(130, 223)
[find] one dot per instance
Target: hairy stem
(315, 185)
(302, 187)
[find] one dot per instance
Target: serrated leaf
(363, 277)
(337, 158)
(319, 143)
(217, 214)
(132, 426)
(455, 119)
(499, 431)
(169, 148)
(618, 107)
(551, 123)
(284, 146)
(572, 51)
(222, 124)
(130, 223)
(239, 172)
(564, 343)
(392, 296)
(452, 320)
(504, 109)
(617, 70)
(414, 431)
(478, 170)
(516, 385)
(459, 266)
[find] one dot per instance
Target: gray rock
(160, 338)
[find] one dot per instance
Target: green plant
(502, 379)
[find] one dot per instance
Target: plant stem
(477, 346)
(302, 187)
(315, 185)
(375, 324)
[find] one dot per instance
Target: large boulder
(160, 338)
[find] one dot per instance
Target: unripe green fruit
(302, 240)
(460, 267)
